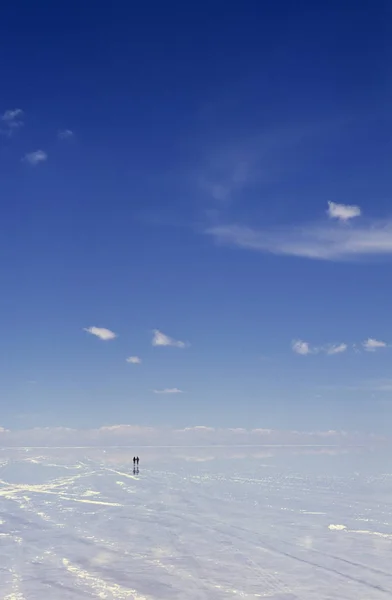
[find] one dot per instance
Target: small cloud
(12, 119)
(336, 348)
(65, 134)
(300, 347)
(168, 391)
(101, 332)
(160, 339)
(34, 158)
(343, 212)
(304, 348)
(134, 360)
(371, 345)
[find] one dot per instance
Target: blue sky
(217, 174)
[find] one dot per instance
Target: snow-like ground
(308, 524)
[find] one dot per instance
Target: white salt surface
(194, 524)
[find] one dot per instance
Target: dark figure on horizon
(137, 461)
(134, 460)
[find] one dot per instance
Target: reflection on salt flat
(72, 458)
(252, 522)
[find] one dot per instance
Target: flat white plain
(193, 523)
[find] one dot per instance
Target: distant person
(134, 460)
(137, 461)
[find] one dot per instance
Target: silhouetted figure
(134, 460)
(137, 461)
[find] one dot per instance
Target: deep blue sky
(191, 197)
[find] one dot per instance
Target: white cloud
(160, 339)
(101, 332)
(134, 360)
(65, 134)
(343, 212)
(336, 348)
(34, 158)
(168, 391)
(300, 347)
(320, 241)
(12, 120)
(371, 345)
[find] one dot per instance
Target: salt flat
(195, 523)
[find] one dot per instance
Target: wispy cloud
(168, 391)
(320, 241)
(12, 120)
(134, 360)
(304, 348)
(34, 158)
(65, 134)
(161, 339)
(381, 385)
(231, 166)
(368, 386)
(101, 333)
(343, 212)
(12, 115)
(226, 181)
(371, 345)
